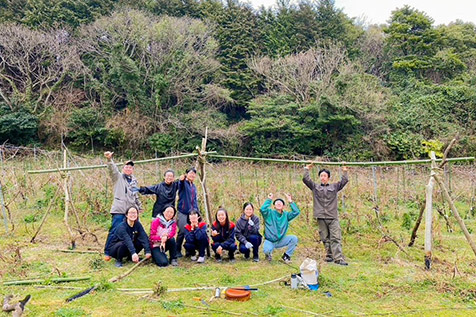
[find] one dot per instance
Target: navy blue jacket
(165, 195)
(200, 233)
(128, 235)
(187, 197)
(225, 237)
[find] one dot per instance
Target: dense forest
(297, 79)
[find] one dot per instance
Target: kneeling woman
(129, 239)
(162, 237)
(223, 235)
(196, 238)
(247, 232)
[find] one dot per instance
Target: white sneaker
(193, 258)
(201, 259)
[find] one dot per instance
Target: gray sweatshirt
(124, 197)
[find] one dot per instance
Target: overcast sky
(378, 11)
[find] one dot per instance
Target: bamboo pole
(202, 160)
(66, 201)
(446, 194)
(2, 202)
(460, 221)
(374, 177)
(53, 280)
(78, 168)
(213, 154)
(429, 213)
(383, 163)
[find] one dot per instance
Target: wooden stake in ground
(429, 216)
(66, 201)
(202, 160)
(2, 203)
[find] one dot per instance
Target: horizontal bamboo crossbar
(105, 165)
(259, 159)
(382, 163)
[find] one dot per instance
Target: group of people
(174, 228)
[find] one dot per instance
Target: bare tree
(303, 75)
(33, 65)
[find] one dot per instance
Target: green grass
(380, 279)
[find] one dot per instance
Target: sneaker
(201, 259)
(174, 262)
(329, 259)
(341, 262)
(247, 256)
(218, 259)
(232, 260)
(193, 258)
(179, 255)
(118, 263)
(107, 258)
(255, 259)
(269, 257)
(286, 258)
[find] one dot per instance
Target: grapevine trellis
(380, 195)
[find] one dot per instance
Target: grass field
(380, 280)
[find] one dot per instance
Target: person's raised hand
(344, 168)
(182, 177)
(309, 166)
(108, 155)
(289, 198)
(135, 258)
(270, 196)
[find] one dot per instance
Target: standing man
(165, 193)
(276, 224)
(125, 195)
(325, 211)
(187, 202)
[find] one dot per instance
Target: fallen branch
(111, 280)
(45, 215)
(58, 287)
(52, 280)
(447, 151)
(417, 225)
(78, 251)
(384, 234)
(448, 224)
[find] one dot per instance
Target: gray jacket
(124, 197)
(324, 197)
